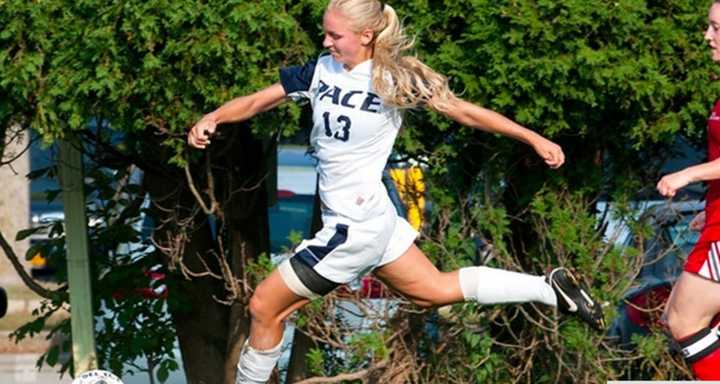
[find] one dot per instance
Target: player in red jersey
(695, 298)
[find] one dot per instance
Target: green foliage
(481, 358)
(138, 67)
(607, 82)
(295, 237)
(370, 344)
(260, 268)
(316, 361)
(655, 361)
(613, 84)
(138, 64)
(570, 228)
(128, 324)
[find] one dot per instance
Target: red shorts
(704, 260)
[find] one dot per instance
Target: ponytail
(401, 80)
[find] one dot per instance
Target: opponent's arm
(473, 116)
(239, 109)
(698, 222)
(669, 184)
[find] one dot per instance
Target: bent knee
(261, 308)
(680, 325)
(422, 303)
(258, 310)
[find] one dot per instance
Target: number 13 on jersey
(343, 122)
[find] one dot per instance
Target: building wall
(14, 207)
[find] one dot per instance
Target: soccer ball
(97, 376)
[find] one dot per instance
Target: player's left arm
(473, 116)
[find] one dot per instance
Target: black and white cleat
(574, 299)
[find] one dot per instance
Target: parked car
(665, 250)
(296, 183)
(42, 212)
(663, 260)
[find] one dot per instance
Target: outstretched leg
(415, 277)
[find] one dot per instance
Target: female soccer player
(695, 298)
(357, 93)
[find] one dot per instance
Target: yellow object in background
(411, 188)
(38, 260)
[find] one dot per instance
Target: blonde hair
(401, 81)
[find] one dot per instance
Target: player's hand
(670, 184)
(200, 134)
(698, 222)
(550, 152)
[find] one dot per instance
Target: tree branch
(195, 192)
(27, 279)
(345, 376)
(16, 156)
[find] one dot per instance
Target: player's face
(346, 46)
(712, 34)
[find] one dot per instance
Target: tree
(614, 84)
(146, 71)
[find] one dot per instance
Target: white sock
(492, 286)
(254, 366)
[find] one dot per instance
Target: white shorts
(344, 250)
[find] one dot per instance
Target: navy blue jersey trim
(313, 254)
(297, 78)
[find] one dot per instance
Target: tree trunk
(244, 249)
(200, 321)
(211, 333)
(201, 324)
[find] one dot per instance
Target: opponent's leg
(693, 303)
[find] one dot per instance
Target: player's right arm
(239, 109)
(670, 184)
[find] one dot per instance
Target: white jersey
(352, 136)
